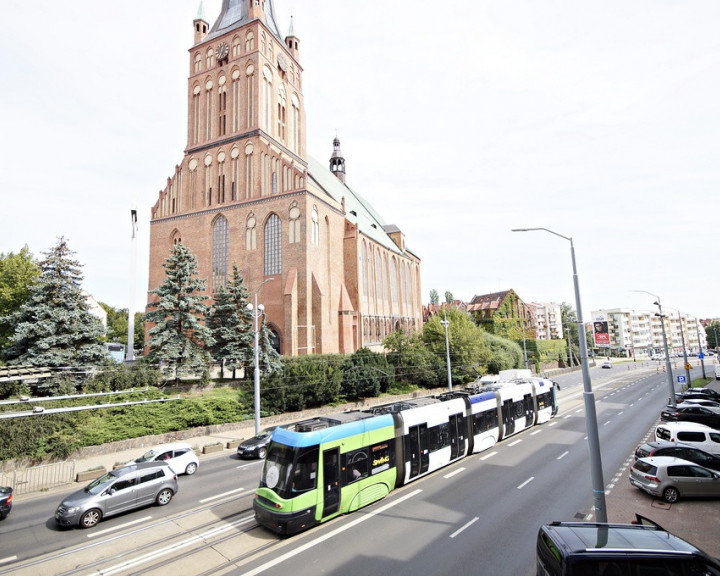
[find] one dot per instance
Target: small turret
(200, 24)
(293, 42)
(337, 162)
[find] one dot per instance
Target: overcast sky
(459, 121)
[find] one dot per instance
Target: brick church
(332, 275)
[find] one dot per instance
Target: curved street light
(591, 424)
(256, 311)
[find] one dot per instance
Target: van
(691, 434)
(717, 371)
(599, 549)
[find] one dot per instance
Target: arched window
(315, 226)
(236, 47)
(249, 176)
(197, 63)
(295, 124)
(378, 282)
(281, 113)
(192, 166)
(222, 106)
(236, 101)
(393, 285)
(364, 271)
(294, 227)
(219, 252)
(209, 59)
(195, 120)
(267, 100)
(250, 232)
(262, 42)
(273, 245)
(249, 41)
(208, 109)
(250, 73)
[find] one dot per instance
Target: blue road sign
(701, 355)
(681, 379)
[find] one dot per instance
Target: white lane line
(606, 423)
(329, 535)
(516, 442)
(535, 432)
(620, 413)
(118, 527)
(488, 455)
(453, 473)
(526, 482)
(553, 423)
(563, 455)
(8, 559)
(464, 527)
(211, 498)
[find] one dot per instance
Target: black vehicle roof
(588, 537)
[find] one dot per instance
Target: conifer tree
(231, 324)
(55, 327)
(268, 358)
(179, 338)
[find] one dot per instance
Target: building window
(262, 42)
(267, 100)
(208, 110)
(236, 47)
(195, 121)
(219, 253)
(295, 124)
(315, 226)
(250, 73)
(222, 107)
(249, 176)
(197, 63)
(236, 103)
(281, 113)
(393, 285)
(250, 233)
(209, 59)
(364, 271)
(273, 245)
(249, 42)
(378, 282)
(294, 227)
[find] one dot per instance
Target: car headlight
(72, 509)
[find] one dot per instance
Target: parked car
(606, 365)
(180, 456)
(6, 493)
(690, 434)
(692, 413)
(689, 453)
(118, 491)
(256, 447)
(702, 402)
(702, 393)
(670, 478)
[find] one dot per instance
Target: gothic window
(222, 106)
(219, 253)
(250, 233)
(262, 42)
(273, 246)
(250, 99)
(208, 181)
(209, 59)
(270, 50)
(393, 284)
(236, 47)
(378, 281)
(197, 63)
(294, 227)
(364, 271)
(236, 103)
(175, 238)
(281, 113)
(195, 131)
(235, 175)
(192, 165)
(249, 176)
(249, 42)
(208, 109)
(295, 124)
(221, 178)
(267, 100)
(315, 226)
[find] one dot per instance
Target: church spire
(337, 162)
(292, 41)
(200, 24)
(236, 13)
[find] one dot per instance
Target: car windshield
(147, 457)
(99, 484)
(264, 434)
(629, 565)
(290, 471)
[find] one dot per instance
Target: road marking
(516, 442)
(563, 455)
(8, 559)
(553, 423)
(488, 455)
(526, 482)
(119, 527)
(464, 527)
(329, 535)
(535, 432)
(242, 466)
(453, 473)
(606, 423)
(211, 498)
(620, 413)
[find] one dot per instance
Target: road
(484, 509)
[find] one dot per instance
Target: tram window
(383, 457)
(484, 421)
(305, 473)
(356, 465)
(543, 400)
(438, 437)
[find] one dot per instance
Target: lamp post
(130, 351)
(524, 346)
(591, 425)
(700, 348)
(445, 323)
(256, 311)
(668, 366)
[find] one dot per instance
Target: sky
(459, 122)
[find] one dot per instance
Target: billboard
(601, 335)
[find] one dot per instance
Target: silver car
(670, 478)
(117, 491)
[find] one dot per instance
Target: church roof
(358, 211)
(235, 13)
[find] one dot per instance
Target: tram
(321, 467)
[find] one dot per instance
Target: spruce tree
(179, 338)
(268, 358)
(231, 324)
(55, 327)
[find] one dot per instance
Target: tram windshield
(290, 471)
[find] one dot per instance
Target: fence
(39, 477)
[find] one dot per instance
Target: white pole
(130, 350)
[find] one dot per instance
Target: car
(606, 365)
(702, 393)
(118, 491)
(692, 413)
(689, 453)
(256, 447)
(701, 402)
(6, 494)
(180, 456)
(690, 434)
(671, 478)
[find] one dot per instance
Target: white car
(180, 457)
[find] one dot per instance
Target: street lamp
(591, 424)
(668, 367)
(524, 345)
(445, 323)
(256, 311)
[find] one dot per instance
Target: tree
(55, 327)
(18, 273)
(570, 328)
(449, 297)
(413, 361)
(712, 334)
(268, 357)
(178, 338)
(469, 353)
(434, 297)
(117, 325)
(230, 323)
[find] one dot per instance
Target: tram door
(457, 436)
(331, 484)
(508, 418)
(417, 450)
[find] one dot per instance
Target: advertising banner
(600, 332)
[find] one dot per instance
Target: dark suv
(5, 501)
(689, 453)
(595, 549)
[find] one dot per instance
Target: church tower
(337, 162)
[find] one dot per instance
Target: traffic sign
(681, 379)
(688, 366)
(701, 355)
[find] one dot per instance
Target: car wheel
(262, 453)
(191, 469)
(671, 495)
(164, 496)
(90, 518)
